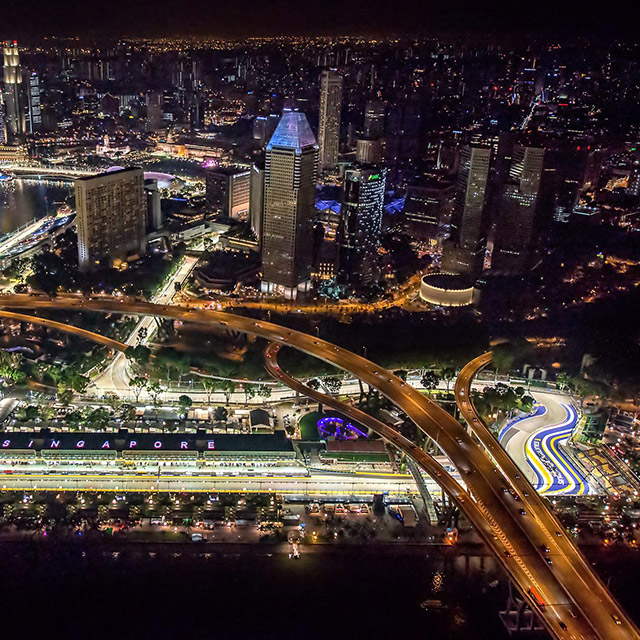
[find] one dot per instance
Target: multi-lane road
(514, 521)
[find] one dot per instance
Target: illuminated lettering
(55, 444)
(106, 445)
(157, 444)
(80, 444)
(211, 444)
(6, 443)
(184, 445)
(30, 443)
(132, 444)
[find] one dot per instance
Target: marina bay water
(22, 200)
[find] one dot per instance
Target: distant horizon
(229, 20)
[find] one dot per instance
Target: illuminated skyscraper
(111, 209)
(517, 210)
(358, 234)
(329, 127)
(34, 116)
(464, 250)
(228, 191)
(289, 195)
(13, 92)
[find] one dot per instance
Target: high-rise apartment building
(228, 191)
(358, 234)
(329, 127)
(111, 217)
(516, 215)
(465, 248)
(13, 92)
(291, 169)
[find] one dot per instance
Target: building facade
(464, 250)
(111, 217)
(516, 216)
(228, 191)
(329, 125)
(13, 93)
(358, 234)
(256, 199)
(291, 169)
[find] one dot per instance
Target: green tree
(185, 403)
(138, 384)
(139, 354)
(249, 390)
(314, 384)
(220, 414)
(31, 412)
(264, 390)
(429, 380)
(65, 395)
(128, 413)
(448, 374)
(98, 419)
(333, 384)
(401, 373)
(155, 391)
(113, 400)
(228, 388)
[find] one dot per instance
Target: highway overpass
(513, 520)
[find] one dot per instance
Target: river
(23, 200)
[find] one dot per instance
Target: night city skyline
(320, 318)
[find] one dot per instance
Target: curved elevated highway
(570, 600)
(568, 563)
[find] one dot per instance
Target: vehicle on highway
(537, 599)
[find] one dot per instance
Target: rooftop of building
(447, 281)
(110, 172)
(293, 132)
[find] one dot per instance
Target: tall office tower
(374, 113)
(228, 191)
(369, 150)
(111, 217)
(291, 171)
(427, 206)
(34, 116)
(358, 234)
(13, 92)
(256, 198)
(329, 128)
(516, 217)
(464, 250)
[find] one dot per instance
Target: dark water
(225, 592)
(23, 200)
(52, 592)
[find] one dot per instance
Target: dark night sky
(33, 18)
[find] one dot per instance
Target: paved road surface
(514, 520)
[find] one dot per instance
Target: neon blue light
(341, 430)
